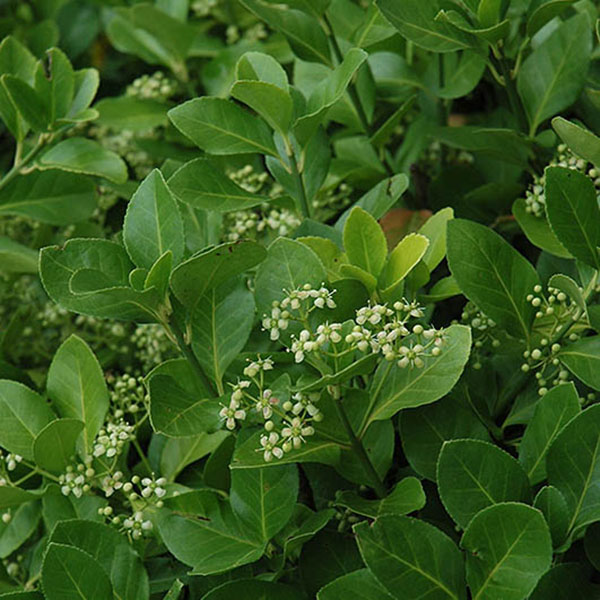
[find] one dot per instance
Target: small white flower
(232, 413)
(270, 448)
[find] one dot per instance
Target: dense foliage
(299, 300)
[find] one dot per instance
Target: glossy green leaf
(212, 543)
(208, 269)
(71, 574)
(554, 508)
(412, 558)
(201, 184)
(23, 414)
(152, 224)
(263, 500)
(220, 126)
(77, 388)
(220, 324)
(573, 466)
(582, 358)
(544, 13)
(80, 155)
(464, 76)
(472, 475)
(552, 76)
(58, 89)
(572, 209)
(583, 142)
(552, 413)
(27, 102)
(394, 388)
(364, 242)
(361, 585)
(53, 197)
(508, 549)
(159, 274)
(257, 66)
(492, 274)
(54, 446)
(111, 550)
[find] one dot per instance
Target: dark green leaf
(54, 446)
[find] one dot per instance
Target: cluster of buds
(554, 309)
(151, 346)
(202, 8)
(483, 331)
(77, 480)
(152, 87)
(112, 439)
(296, 306)
(254, 33)
(260, 223)
(332, 201)
(10, 460)
(535, 198)
(127, 395)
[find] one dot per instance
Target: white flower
(232, 413)
(264, 404)
(270, 447)
(295, 431)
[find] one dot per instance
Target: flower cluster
(484, 332)
(127, 394)
(151, 346)
(111, 439)
(535, 199)
(10, 460)
(152, 87)
(77, 480)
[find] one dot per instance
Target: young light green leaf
(492, 274)
(364, 242)
(572, 466)
(174, 591)
(23, 414)
(582, 141)
(394, 388)
(201, 184)
(54, 446)
(153, 224)
(508, 549)
(552, 76)
(208, 269)
(219, 126)
(552, 413)
(472, 475)
(406, 497)
(412, 558)
(257, 66)
(434, 230)
(80, 155)
(77, 388)
(71, 574)
(572, 209)
(359, 585)
(53, 197)
(263, 500)
(582, 358)
(403, 259)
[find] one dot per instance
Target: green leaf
(53, 197)
(544, 14)
(86, 86)
(211, 543)
(508, 549)
(257, 66)
(208, 269)
(552, 76)
(583, 142)
(554, 508)
(263, 500)
(492, 34)
(302, 31)
(463, 76)
(253, 589)
(412, 558)
(582, 358)
(402, 260)
(54, 446)
(552, 413)
(104, 268)
(159, 274)
(328, 92)
(434, 230)
(573, 463)
(23, 414)
(219, 126)
(20, 528)
(71, 574)
(134, 114)
(271, 102)
(364, 242)
(174, 591)
(492, 274)
(179, 407)
(77, 388)
(153, 224)
(288, 266)
(472, 475)
(58, 90)
(359, 585)
(572, 209)
(15, 496)
(201, 184)
(27, 102)
(567, 578)
(221, 323)
(538, 230)
(406, 497)
(394, 388)
(415, 20)
(80, 155)
(111, 550)
(16, 258)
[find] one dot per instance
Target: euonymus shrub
(269, 327)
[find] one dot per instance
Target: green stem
(142, 456)
(304, 207)
(192, 360)
(357, 445)
(511, 90)
(19, 164)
